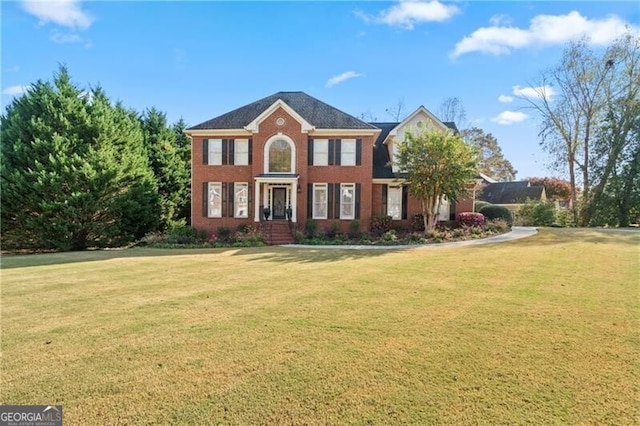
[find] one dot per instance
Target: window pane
(394, 202)
(215, 199)
(320, 201)
(348, 152)
(347, 201)
(241, 152)
(320, 152)
(215, 152)
(241, 200)
(280, 157)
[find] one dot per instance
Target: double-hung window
(215, 152)
(241, 152)
(348, 152)
(320, 152)
(394, 202)
(320, 201)
(241, 199)
(214, 199)
(347, 200)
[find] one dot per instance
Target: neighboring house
(293, 151)
(511, 194)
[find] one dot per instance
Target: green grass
(544, 330)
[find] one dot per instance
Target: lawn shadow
(315, 255)
(555, 236)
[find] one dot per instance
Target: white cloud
(407, 13)
(543, 30)
(66, 13)
(64, 38)
(534, 92)
(15, 90)
(501, 19)
(509, 117)
(505, 99)
(341, 77)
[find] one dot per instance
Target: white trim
(265, 153)
(313, 200)
(276, 179)
(404, 122)
(388, 181)
(336, 133)
(255, 124)
(230, 133)
(353, 201)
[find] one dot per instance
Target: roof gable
(421, 111)
(255, 124)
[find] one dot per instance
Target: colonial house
(295, 158)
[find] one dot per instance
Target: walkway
(516, 233)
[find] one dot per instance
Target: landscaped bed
(542, 330)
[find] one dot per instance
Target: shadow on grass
(272, 253)
(555, 236)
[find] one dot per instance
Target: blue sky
(197, 60)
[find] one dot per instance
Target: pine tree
(74, 170)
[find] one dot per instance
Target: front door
(279, 202)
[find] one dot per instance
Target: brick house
(299, 157)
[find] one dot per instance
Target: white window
(214, 201)
(394, 202)
(320, 152)
(347, 200)
(241, 152)
(319, 201)
(241, 199)
(348, 152)
(215, 152)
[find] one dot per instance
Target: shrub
(224, 234)
(333, 230)
(389, 236)
(470, 219)
(534, 213)
(354, 229)
(311, 228)
(498, 225)
(183, 235)
(251, 236)
(480, 204)
(417, 223)
(380, 225)
(497, 212)
(244, 228)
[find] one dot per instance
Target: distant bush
(380, 225)
(480, 204)
(354, 229)
(470, 219)
(534, 213)
(224, 234)
(497, 212)
(311, 228)
(333, 230)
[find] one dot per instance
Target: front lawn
(544, 330)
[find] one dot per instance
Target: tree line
(79, 171)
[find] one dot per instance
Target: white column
(256, 202)
(294, 201)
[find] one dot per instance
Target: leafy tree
(74, 171)
(556, 189)
(437, 165)
(169, 164)
(492, 161)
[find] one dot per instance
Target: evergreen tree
(183, 143)
(169, 165)
(74, 170)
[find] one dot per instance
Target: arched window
(280, 156)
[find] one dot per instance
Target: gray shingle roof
(510, 192)
(381, 167)
(317, 113)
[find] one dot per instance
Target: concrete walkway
(516, 233)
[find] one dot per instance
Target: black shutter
(385, 194)
(205, 151)
(310, 152)
(249, 200)
(358, 152)
(231, 151)
(337, 193)
(309, 200)
(224, 152)
(330, 152)
(337, 152)
(357, 212)
(250, 155)
(405, 200)
(223, 195)
(232, 198)
(329, 201)
(205, 199)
